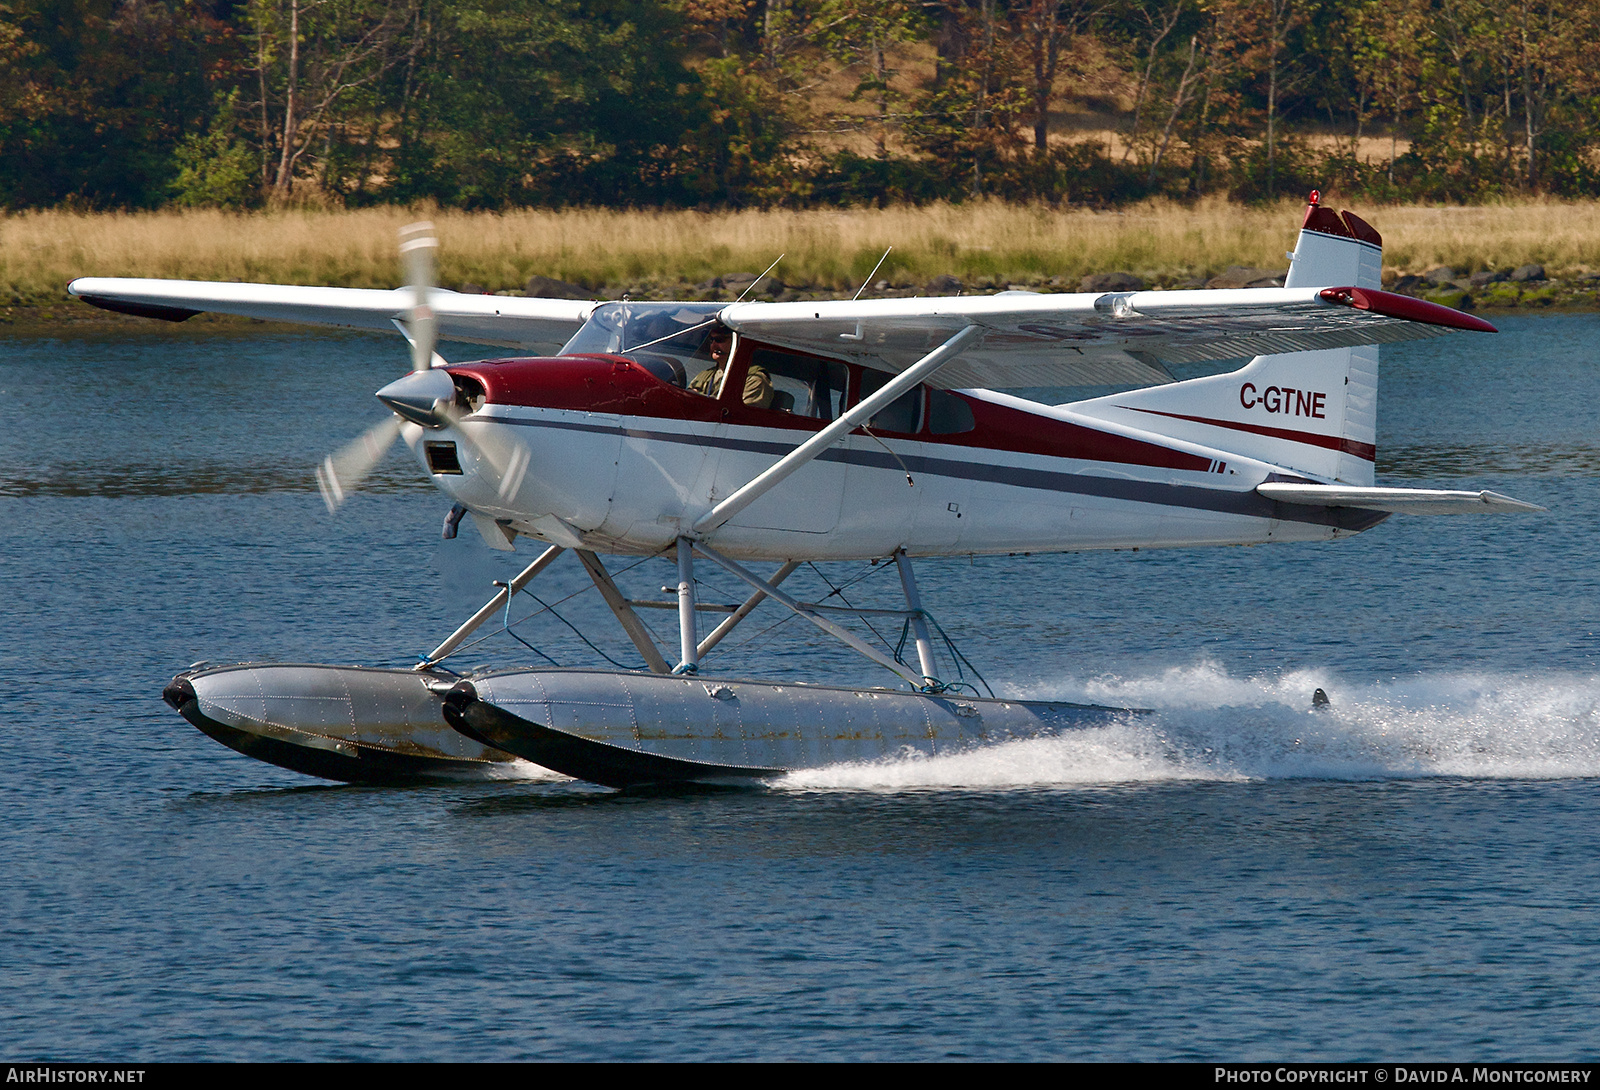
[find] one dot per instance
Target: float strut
(626, 617)
(744, 610)
(757, 583)
(493, 606)
(919, 622)
(688, 637)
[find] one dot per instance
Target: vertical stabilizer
(1315, 412)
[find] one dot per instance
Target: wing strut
(828, 436)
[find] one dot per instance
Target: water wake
(527, 771)
(1206, 724)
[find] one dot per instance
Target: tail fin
(1315, 412)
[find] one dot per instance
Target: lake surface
(1411, 874)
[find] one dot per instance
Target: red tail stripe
(1367, 451)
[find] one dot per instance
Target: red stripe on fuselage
(613, 384)
(1309, 438)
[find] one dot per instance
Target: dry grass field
(984, 244)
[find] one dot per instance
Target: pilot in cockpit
(757, 383)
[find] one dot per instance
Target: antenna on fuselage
(871, 274)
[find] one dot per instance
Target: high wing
(1030, 339)
(1027, 339)
(530, 325)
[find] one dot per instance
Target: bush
(216, 169)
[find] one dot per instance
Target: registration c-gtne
(1286, 400)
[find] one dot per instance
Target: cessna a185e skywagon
(750, 433)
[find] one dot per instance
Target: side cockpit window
(711, 362)
(802, 385)
(666, 339)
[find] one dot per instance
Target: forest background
(715, 104)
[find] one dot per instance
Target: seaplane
(755, 436)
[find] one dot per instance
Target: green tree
(311, 59)
(1042, 30)
(95, 95)
(517, 101)
(859, 35)
(968, 124)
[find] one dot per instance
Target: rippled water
(1409, 874)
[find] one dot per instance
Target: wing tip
(1391, 305)
(138, 310)
(1501, 502)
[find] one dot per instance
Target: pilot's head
(718, 343)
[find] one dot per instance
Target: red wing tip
(1391, 305)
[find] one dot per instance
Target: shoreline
(936, 249)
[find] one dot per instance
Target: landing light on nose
(421, 397)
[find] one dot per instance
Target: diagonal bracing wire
(547, 608)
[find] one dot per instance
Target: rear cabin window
(948, 414)
(803, 385)
(903, 414)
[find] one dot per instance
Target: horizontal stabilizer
(1400, 501)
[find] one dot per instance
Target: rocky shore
(1526, 286)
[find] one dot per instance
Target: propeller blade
(342, 472)
(418, 399)
(516, 468)
(503, 456)
(419, 248)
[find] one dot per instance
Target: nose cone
(420, 396)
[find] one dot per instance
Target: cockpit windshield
(665, 338)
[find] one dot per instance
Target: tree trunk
(1046, 53)
(1527, 103)
(950, 47)
(1179, 100)
(880, 72)
(1169, 19)
(285, 164)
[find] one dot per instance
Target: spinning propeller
(425, 396)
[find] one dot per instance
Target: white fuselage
(631, 484)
